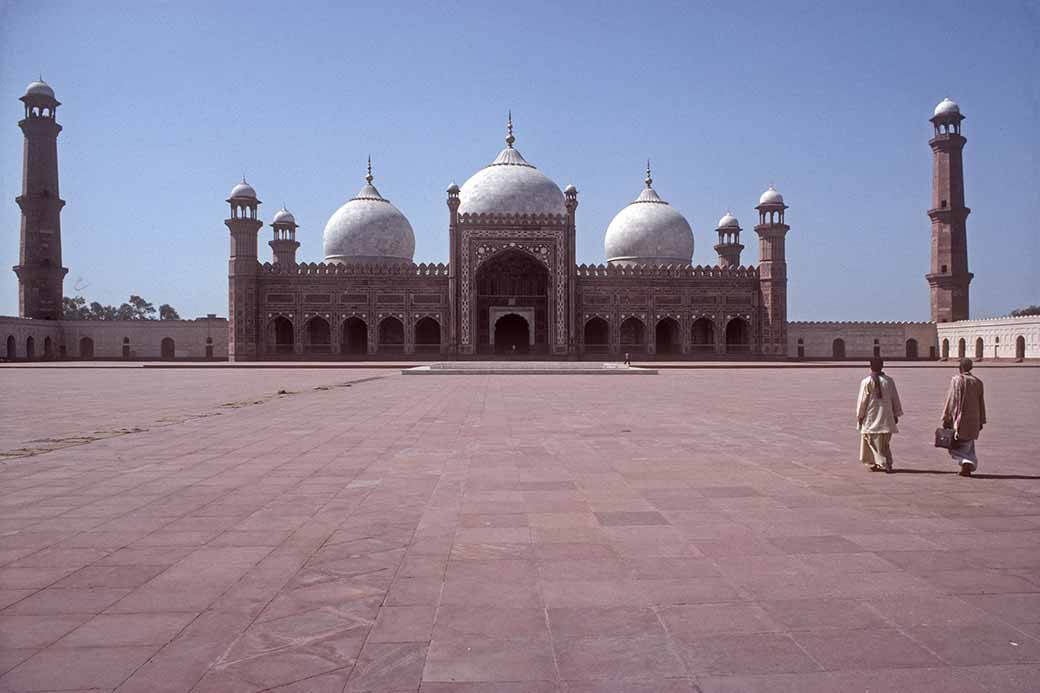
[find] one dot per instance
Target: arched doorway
(911, 349)
(30, 348)
(946, 348)
(355, 336)
(666, 337)
(738, 336)
(512, 335)
(427, 335)
(12, 351)
(48, 349)
(633, 335)
(961, 349)
(979, 348)
(126, 347)
(838, 348)
(877, 349)
(512, 279)
(209, 348)
(1020, 348)
(168, 349)
(86, 348)
(319, 336)
(281, 336)
(596, 336)
(391, 334)
(801, 348)
(702, 335)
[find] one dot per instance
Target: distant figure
(628, 361)
(965, 413)
(877, 413)
(514, 349)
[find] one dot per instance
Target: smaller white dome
(771, 197)
(570, 189)
(243, 190)
(283, 216)
(39, 88)
(728, 221)
(947, 107)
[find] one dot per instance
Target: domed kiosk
(368, 230)
(649, 231)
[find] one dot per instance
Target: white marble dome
(283, 216)
(39, 88)
(243, 191)
(510, 185)
(649, 231)
(947, 107)
(368, 230)
(728, 221)
(771, 197)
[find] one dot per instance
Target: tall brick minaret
(772, 271)
(39, 270)
(243, 318)
(949, 277)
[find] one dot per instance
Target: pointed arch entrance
(512, 334)
(512, 282)
(355, 336)
(738, 336)
(702, 335)
(666, 337)
(282, 336)
(596, 336)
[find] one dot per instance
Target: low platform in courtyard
(316, 531)
(528, 368)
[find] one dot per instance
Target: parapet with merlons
(320, 269)
(487, 220)
(665, 272)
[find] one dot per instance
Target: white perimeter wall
(998, 335)
(818, 338)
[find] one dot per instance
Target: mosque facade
(512, 285)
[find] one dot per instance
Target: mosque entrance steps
(527, 368)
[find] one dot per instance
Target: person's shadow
(1020, 477)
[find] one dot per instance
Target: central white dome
(649, 231)
(510, 185)
(368, 230)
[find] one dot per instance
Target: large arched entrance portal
(512, 335)
(512, 280)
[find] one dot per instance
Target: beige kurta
(965, 410)
(877, 412)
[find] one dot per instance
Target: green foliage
(136, 308)
(1028, 310)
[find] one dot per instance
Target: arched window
(30, 348)
(48, 349)
(209, 347)
(738, 336)
(167, 349)
(979, 348)
(11, 349)
(86, 348)
(319, 336)
(1020, 347)
(427, 335)
(391, 334)
(597, 335)
(801, 348)
(702, 335)
(946, 348)
(911, 349)
(633, 334)
(961, 349)
(838, 348)
(666, 337)
(354, 339)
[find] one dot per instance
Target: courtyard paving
(700, 530)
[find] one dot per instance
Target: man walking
(877, 413)
(965, 413)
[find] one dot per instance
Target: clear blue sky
(166, 105)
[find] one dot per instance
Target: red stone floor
(699, 530)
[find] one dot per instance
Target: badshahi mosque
(511, 286)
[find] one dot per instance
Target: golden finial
(369, 176)
(649, 181)
(509, 130)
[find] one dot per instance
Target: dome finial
(649, 181)
(509, 130)
(368, 177)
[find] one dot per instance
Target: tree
(135, 309)
(168, 312)
(1028, 310)
(74, 308)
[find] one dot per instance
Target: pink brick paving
(698, 530)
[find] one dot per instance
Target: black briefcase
(944, 438)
